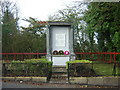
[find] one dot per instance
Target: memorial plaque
(60, 40)
(60, 37)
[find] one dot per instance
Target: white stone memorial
(59, 37)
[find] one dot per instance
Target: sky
(40, 9)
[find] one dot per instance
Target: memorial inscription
(60, 40)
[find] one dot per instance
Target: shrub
(78, 61)
(36, 67)
(80, 68)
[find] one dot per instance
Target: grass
(104, 68)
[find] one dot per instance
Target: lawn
(104, 69)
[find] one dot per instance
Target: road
(37, 85)
(13, 84)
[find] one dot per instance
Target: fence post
(114, 68)
(68, 73)
(98, 57)
(37, 55)
(21, 57)
(3, 70)
(14, 57)
(91, 56)
(6, 57)
(110, 58)
(47, 74)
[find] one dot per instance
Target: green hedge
(29, 67)
(78, 61)
(80, 68)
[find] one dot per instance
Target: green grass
(104, 68)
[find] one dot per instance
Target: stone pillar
(72, 55)
(48, 56)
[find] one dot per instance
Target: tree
(35, 26)
(9, 24)
(35, 35)
(102, 20)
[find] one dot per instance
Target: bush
(78, 61)
(34, 67)
(80, 68)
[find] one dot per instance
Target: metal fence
(104, 64)
(108, 57)
(27, 69)
(80, 70)
(20, 56)
(92, 70)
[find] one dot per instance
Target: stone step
(59, 75)
(58, 81)
(59, 66)
(61, 78)
(59, 69)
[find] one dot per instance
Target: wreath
(61, 52)
(55, 52)
(66, 52)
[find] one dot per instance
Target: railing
(108, 57)
(104, 64)
(27, 70)
(81, 70)
(20, 56)
(10, 69)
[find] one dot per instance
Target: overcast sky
(40, 9)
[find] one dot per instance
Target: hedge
(29, 67)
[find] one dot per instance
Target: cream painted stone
(39, 79)
(95, 80)
(8, 78)
(78, 80)
(111, 81)
(23, 78)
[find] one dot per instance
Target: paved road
(18, 85)
(44, 85)
(37, 85)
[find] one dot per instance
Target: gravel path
(12, 84)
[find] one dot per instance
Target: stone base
(105, 81)
(78, 80)
(39, 79)
(34, 79)
(23, 78)
(8, 78)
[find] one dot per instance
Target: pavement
(16, 84)
(36, 85)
